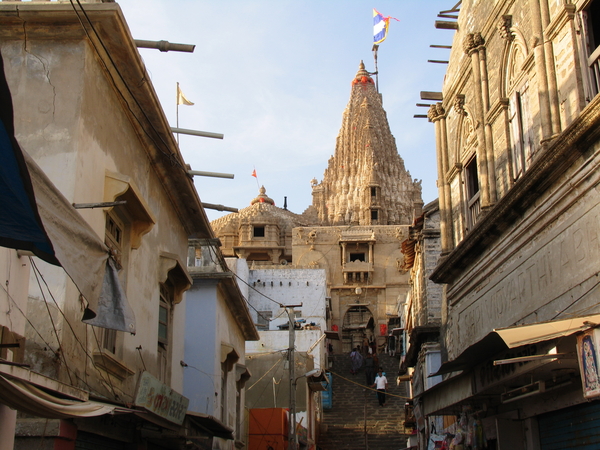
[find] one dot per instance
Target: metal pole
(375, 48)
(165, 46)
(195, 132)
(292, 433)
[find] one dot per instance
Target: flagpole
(375, 48)
(177, 112)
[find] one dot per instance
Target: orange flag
(254, 173)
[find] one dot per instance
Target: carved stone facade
(518, 175)
(260, 233)
(354, 229)
(365, 182)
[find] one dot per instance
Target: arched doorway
(358, 323)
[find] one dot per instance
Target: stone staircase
(356, 421)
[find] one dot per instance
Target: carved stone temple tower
(361, 214)
(366, 182)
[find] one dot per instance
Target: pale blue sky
(274, 77)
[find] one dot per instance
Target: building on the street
(518, 162)
(217, 326)
(354, 229)
(419, 349)
(93, 330)
(278, 296)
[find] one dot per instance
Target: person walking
(381, 385)
(356, 360)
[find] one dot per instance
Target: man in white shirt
(381, 384)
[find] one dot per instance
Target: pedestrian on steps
(356, 361)
(381, 384)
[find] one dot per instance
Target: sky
(273, 76)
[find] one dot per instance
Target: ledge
(112, 365)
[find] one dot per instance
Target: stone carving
(459, 105)
(365, 156)
(472, 41)
(504, 27)
(435, 112)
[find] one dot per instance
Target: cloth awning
(510, 337)
(25, 397)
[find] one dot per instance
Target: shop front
(520, 388)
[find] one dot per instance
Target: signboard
(158, 398)
(588, 344)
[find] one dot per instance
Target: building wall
(306, 287)
(541, 260)
(70, 118)
(388, 280)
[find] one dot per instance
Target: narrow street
(356, 421)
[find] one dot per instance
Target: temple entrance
(358, 323)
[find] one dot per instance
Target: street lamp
(293, 439)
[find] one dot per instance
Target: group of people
(372, 367)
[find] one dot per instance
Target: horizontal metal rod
(210, 174)
(445, 25)
(440, 46)
(437, 61)
(218, 207)
(197, 133)
(427, 95)
(165, 46)
(420, 116)
(426, 105)
(98, 205)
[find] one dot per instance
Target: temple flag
(254, 173)
(380, 26)
(181, 99)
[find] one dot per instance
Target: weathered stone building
(354, 229)
(517, 144)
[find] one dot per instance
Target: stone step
(356, 421)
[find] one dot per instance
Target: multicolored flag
(380, 26)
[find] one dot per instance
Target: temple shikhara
(361, 213)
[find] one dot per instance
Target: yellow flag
(181, 100)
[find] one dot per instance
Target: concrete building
(517, 145)
(218, 324)
(76, 99)
(269, 289)
(421, 314)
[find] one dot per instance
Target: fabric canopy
(27, 398)
(502, 339)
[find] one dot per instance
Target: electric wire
(84, 348)
(171, 156)
(30, 323)
(265, 374)
(62, 353)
